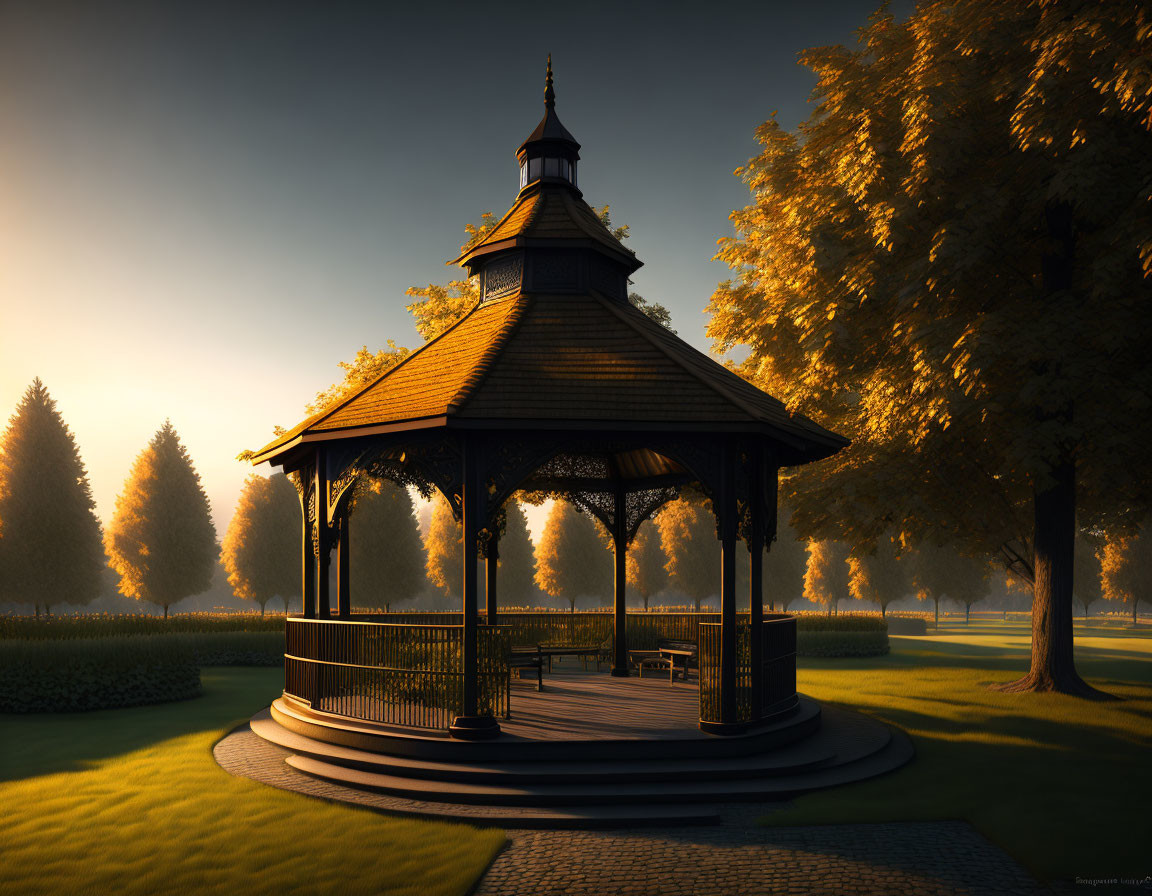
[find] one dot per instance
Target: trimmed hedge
(98, 673)
(238, 648)
(843, 622)
(103, 625)
(841, 643)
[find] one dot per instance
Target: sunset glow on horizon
(201, 215)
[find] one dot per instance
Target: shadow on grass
(44, 743)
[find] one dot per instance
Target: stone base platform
(613, 774)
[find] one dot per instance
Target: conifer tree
(387, 560)
(161, 540)
(571, 560)
(50, 543)
(688, 534)
(826, 576)
(517, 584)
(261, 549)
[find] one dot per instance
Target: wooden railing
(401, 674)
(584, 627)
(778, 652)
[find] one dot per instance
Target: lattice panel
(502, 278)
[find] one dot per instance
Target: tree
(161, 540)
(517, 582)
(444, 548)
(1086, 571)
(785, 565)
(571, 560)
(826, 576)
(879, 576)
(261, 549)
(939, 571)
(50, 543)
(440, 306)
(645, 562)
(387, 560)
(950, 264)
(1126, 563)
(358, 372)
(688, 533)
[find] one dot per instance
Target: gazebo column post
(470, 725)
(620, 604)
(323, 537)
(756, 584)
(307, 563)
(728, 590)
(343, 549)
(491, 564)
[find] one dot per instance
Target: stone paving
(734, 858)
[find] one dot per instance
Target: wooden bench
(527, 658)
(670, 654)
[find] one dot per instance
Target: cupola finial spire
(549, 92)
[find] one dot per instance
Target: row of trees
(160, 545)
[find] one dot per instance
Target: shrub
(102, 625)
(841, 643)
(843, 622)
(84, 674)
(238, 648)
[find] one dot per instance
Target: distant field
(1062, 784)
(130, 801)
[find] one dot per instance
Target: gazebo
(553, 383)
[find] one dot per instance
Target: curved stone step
(435, 746)
(791, 759)
(623, 791)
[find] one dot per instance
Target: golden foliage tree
(1126, 569)
(688, 533)
(571, 560)
(387, 563)
(50, 543)
(360, 371)
(645, 564)
(161, 540)
(261, 549)
(826, 576)
(444, 550)
(950, 263)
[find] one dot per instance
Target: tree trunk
(1135, 604)
(1053, 666)
(262, 609)
(936, 602)
(37, 606)
(883, 611)
(165, 611)
(48, 610)
(967, 613)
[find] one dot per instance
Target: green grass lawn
(1063, 784)
(131, 801)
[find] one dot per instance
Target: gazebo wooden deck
(553, 384)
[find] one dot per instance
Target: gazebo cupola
(550, 152)
(550, 241)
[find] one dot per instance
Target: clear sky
(204, 207)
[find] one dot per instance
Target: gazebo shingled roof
(547, 359)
